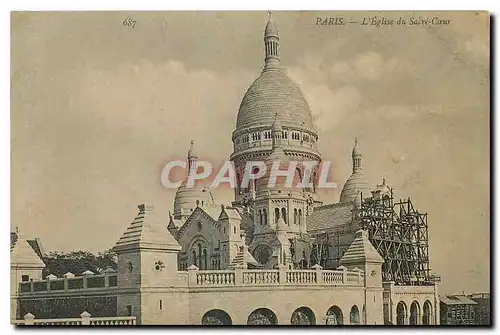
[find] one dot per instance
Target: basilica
(363, 260)
(267, 226)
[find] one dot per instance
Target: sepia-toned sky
(99, 108)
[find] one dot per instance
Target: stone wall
(67, 306)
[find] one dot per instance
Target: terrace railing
(69, 282)
(281, 276)
(85, 319)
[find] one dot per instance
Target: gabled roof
(23, 255)
(329, 216)
(35, 243)
(361, 250)
(147, 230)
(456, 300)
(202, 212)
(229, 213)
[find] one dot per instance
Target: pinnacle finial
(270, 13)
(355, 141)
(191, 152)
(276, 122)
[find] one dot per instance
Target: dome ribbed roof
(271, 29)
(281, 225)
(355, 183)
(186, 197)
(273, 92)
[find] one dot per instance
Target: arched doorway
(303, 316)
(334, 316)
(216, 317)
(426, 318)
(401, 313)
(414, 313)
(354, 318)
(262, 317)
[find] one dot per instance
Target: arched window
(401, 313)
(234, 230)
(295, 213)
(314, 181)
(414, 313)
(354, 316)
(300, 216)
(276, 215)
(260, 217)
(303, 316)
(193, 254)
(298, 176)
(283, 214)
(253, 182)
(262, 317)
(216, 317)
(426, 318)
(205, 259)
(238, 181)
(200, 265)
(334, 316)
(264, 211)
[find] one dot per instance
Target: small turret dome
(281, 225)
(356, 151)
(356, 182)
(188, 198)
(191, 151)
(271, 29)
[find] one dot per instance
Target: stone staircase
(237, 260)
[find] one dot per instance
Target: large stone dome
(271, 95)
(273, 92)
(356, 183)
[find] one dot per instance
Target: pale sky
(99, 108)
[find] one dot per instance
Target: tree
(77, 262)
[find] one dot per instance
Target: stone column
(29, 319)
(319, 274)
(107, 273)
(85, 318)
(282, 273)
(238, 274)
(344, 273)
(192, 274)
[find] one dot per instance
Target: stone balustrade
(85, 319)
(256, 277)
(69, 282)
(281, 276)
